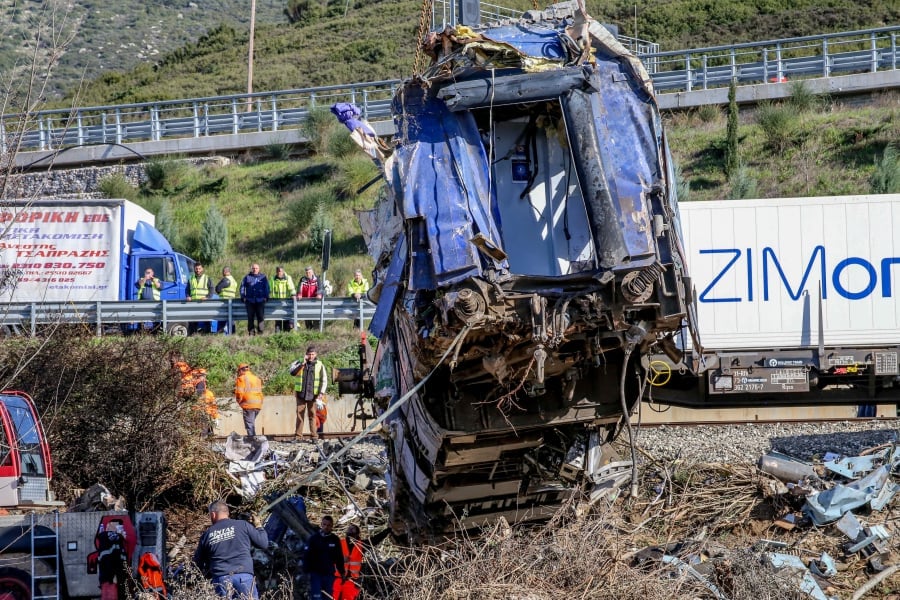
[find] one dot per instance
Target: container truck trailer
(796, 303)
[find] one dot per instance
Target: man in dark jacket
(223, 553)
(324, 557)
(255, 293)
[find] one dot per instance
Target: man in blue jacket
(223, 553)
(255, 293)
(324, 558)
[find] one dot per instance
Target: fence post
(118, 126)
(259, 115)
(274, 114)
(33, 319)
(365, 104)
(688, 84)
(826, 71)
(206, 119)
(80, 128)
(2, 136)
(165, 318)
(893, 50)
(732, 60)
(705, 72)
(765, 57)
(234, 116)
(154, 123)
(874, 52)
(99, 318)
(196, 120)
(42, 143)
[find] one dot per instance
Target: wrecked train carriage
(527, 257)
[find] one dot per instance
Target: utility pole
(250, 55)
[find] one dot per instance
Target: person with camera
(149, 286)
(148, 289)
(223, 553)
(310, 383)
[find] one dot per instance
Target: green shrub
(886, 178)
(682, 185)
(166, 224)
(802, 98)
(742, 183)
(310, 202)
(778, 123)
(278, 150)
(338, 142)
(355, 172)
(315, 128)
(709, 113)
(116, 185)
(165, 173)
(321, 224)
(214, 236)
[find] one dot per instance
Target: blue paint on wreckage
(443, 167)
(535, 349)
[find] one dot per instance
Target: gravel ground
(746, 443)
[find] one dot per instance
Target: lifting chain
(424, 17)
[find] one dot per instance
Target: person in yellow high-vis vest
(227, 289)
(199, 287)
(282, 288)
(249, 395)
(310, 383)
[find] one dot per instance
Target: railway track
(336, 435)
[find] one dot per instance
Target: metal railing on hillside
(31, 317)
(772, 61)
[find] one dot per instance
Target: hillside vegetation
(342, 41)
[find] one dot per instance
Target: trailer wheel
(178, 329)
(15, 584)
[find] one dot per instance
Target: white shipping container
(758, 267)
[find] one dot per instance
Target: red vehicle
(25, 467)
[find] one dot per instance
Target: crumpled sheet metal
(829, 505)
(687, 569)
(853, 467)
(808, 584)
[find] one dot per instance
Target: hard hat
(243, 366)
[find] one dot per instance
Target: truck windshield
(187, 267)
(28, 437)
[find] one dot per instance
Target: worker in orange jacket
(347, 588)
(249, 396)
(206, 399)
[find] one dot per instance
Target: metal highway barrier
(22, 317)
(773, 61)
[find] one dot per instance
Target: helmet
(243, 366)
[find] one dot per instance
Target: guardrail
(30, 317)
(771, 61)
(775, 61)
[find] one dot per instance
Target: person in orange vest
(206, 399)
(321, 415)
(347, 587)
(249, 396)
(151, 575)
